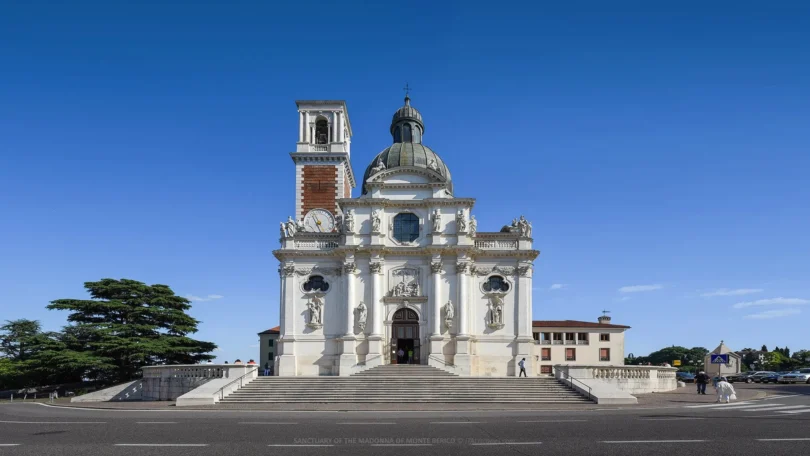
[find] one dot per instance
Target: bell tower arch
(323, 171)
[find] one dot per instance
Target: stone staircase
(405, 384)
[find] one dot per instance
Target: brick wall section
(347, 186)
(319, 188)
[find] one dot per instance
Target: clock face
(319, 221)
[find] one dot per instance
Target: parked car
(772, 377)
(746, 377)
(799, 376)
(685, 377)
(759, 377)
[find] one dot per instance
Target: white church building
(402, 274)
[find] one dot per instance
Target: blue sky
(661, 155)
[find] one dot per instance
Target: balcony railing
(316, 245)
(496, 244)
(319, 147)
(557, 342)
(570, 342)
(545, 342)
(582, 342)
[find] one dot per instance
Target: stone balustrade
(167, 383)
(629, 379)
(316, 244)
(496, 244)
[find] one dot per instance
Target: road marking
(553, 421)
(9, 444)
(456, 422)
(781, 396)
(803, 439)
(506, 443)
(776, 407)
(670, 419)
(719, 405)
(264, 422)
(281, 445)
(653, 441)
(161, 444)
(365, 424)
(54, 422)
(793, 412)
(156, 422)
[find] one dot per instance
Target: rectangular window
(604, 337)
(545, 369)
(546, 336)
(570, 354)
(270, 357)
(270, 343)
(558, 336)
(545, 354)
(536, 336)
(569, 336)
(604, 354)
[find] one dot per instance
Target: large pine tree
(128, 325)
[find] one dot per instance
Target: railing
(496, 244)
(582, 342)
(570, 342)
(183, 372)
(241, 380)
(566, 377)
(557, 342)
(545, 342)
(318, 147)
(435, 358)
(316, 245)
(620, 372)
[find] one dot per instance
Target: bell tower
(323, 171)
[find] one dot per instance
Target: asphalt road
(755, 426)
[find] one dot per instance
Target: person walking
(701, 380)
(522, 365)
(267, 368)
(400, 356)
(725, 392)
(410, 355)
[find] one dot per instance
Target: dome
(406, 112)
(412, 155)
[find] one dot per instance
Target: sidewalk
(688, 396)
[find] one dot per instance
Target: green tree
(786, 352)
(17, 338)
(775, 361)
(127, 325)
(801, 357)
(764, 348)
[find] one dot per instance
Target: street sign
(677, 362)
(719, 359)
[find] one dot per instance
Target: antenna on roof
(605, 312)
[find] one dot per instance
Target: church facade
(400, 274)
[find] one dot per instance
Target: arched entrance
(405, 337)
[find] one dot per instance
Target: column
(339, 126)
(523, 313)
(301, 126)
(348, 356)
(306, 127)
(287, 365)
(436, 269)
(329, 127)
(376, 292)
(349, 269)
(334, 126)
(463, 359)
(461, 270)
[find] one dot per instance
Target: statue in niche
(376, 222)
(473, 225)
(437, 221)
(461, 221)
(495, 312)
(449, 313)
(378, 166)
(348, 223)
(283, 230)
(315, 307)
(361, 316)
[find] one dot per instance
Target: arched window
(406, 133)
(397, 135)
(316, 283)
(321, 131)
(496, 283)
(417, 134)
(406, 227)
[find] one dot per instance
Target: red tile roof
(275, 330)
(574, 324)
